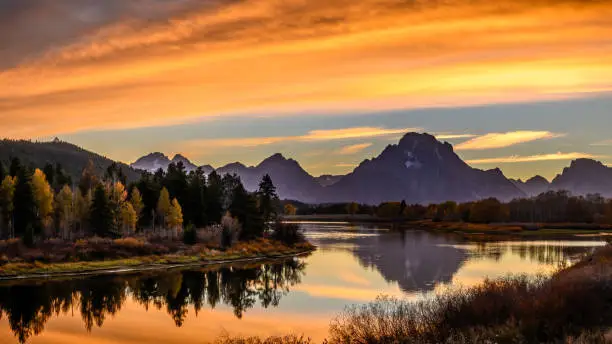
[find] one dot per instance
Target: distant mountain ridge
(585, 176)
(72, 158)
(533, 186)
(418, 169)
(154, 161)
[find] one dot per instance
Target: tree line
(43, 203)
(548, 207)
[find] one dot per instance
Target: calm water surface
(353, 265)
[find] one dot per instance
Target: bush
(291, 339)
(190, 237)
(230, 230)
(287, 233)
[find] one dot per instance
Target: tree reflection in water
(29, 306)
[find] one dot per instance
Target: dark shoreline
(121, 266)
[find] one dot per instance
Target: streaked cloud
(346, 165)
(603, 143)
(533, 158)
(127, 64)
(353, 149)
(311, 136)
(450, 136)
(501, 140)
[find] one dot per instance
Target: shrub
(287, 233)
(190, 237)
(230, 230)
(290, 339)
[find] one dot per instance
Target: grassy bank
(473, 230)
(527, 230)
(47, 263)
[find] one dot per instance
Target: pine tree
(24, 213)
(244, 208)
(195, 206)
(82, 209)
(214, 196)
(268, 199)
(101, 215)
(7, 194)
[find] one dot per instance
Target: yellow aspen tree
(163, 205)
(43, 196)
(7, 195)
(82, 207)
(65, 206)
(175, 217)
(137, 203)
(128, 218)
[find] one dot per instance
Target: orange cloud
(353, 149)
(501, 140)
(533, 158)
(314, 135)
(280, 58)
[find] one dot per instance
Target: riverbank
(261, 249)
(474, 231)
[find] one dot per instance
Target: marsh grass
(576, 303)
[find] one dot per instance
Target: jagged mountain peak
(537, 180)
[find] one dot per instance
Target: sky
(521, 85)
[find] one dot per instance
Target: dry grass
(290, 339)
(573, 306)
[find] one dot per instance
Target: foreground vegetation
(98, 255)
(572, 306)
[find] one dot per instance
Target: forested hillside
(71, 157)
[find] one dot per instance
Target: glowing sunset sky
(523, 85)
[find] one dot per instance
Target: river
(353, 265)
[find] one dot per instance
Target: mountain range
(418, 169)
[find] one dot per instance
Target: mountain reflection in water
(353, 264)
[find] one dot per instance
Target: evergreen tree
(268, 200)
(24, 213)
(7, 195)
(2, 171)
(244, 208)
(61, 178)
(149, 189)
(214, 196)
(49, 171)
(101, 215)
(15, 167)
(195, 204)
